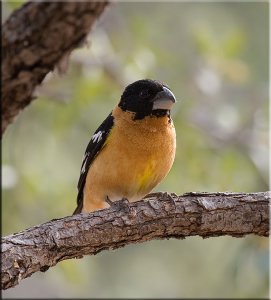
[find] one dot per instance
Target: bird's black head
(147, 97)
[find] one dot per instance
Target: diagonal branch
(34, 40)
(159, 216)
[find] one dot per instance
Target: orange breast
(136, 157)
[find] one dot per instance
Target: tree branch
(34, 39)
(159, 216)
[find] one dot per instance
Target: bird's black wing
(95, 145)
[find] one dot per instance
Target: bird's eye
(144, 94)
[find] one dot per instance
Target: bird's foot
(120, 205)
(167, 195)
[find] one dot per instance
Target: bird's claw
(167, 195)
(108, 201)
(119, 205)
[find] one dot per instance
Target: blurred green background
(214, 57)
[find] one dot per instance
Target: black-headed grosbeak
(132, 150)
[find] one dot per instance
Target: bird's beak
(164, 100)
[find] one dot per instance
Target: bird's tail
(79, 207)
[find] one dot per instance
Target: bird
(131, 151)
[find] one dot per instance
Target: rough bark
(34, 39)
(159, 216)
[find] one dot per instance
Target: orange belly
(135, 158)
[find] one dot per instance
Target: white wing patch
(85, 158)
(97, 136)
(85, 155)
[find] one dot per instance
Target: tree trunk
(34, 40)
